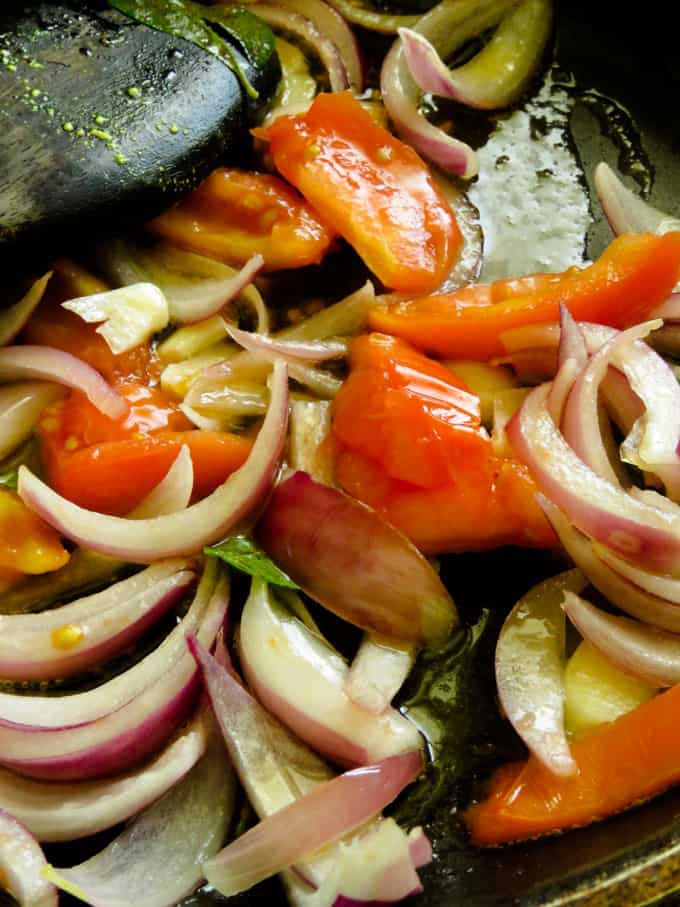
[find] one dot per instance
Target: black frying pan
(634, 858)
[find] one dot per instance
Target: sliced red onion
(94, 734)
(665, 587)
(626, 211)
(447, 26)
(497, 75)
(158, 858)
(330, 23)
(191, 283)
(54, 811)
(330, 811)
(349, 316)
(21, 403)
(623, 404)
(639, 532)
(316, 533)
(530, 668)
(21, 866)
(308, 31)
(653, 443)
(276, 769)
(229, 291)
(365, 15)
(581, 420)
(377, 673)
(172, 493)
(636, 648)
(621, 592)
(87, 632)
(185, 532)
(401, 103)
(49, 364)
(13, 319)
(291, 350)
(427, 68)
(301, 680)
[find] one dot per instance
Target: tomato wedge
(632, 276)
(234, 214)
(372, 188)
(619, 764)
(409, 442)
(109, 465)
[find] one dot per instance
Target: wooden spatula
(104, 122)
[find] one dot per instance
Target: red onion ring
(639, 532)
(55, 811)
(94, 628)
(301, 680)
(172, 493)
(105, 735)
(185, 532)
(625, 211)
(21, 865)
(330, 23)
(330, 811)
(291, 350)
(636, 648)
(447, 26)
(157, 859)
(306, 29)
(21, 404)
(530, 668)
(625, 595)
(199, 309)
(13, 319)
(315, 533)
(49, 364)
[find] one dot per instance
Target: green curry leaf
(242, 553)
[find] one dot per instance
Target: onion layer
(49, 364)
(530, 667)
(300, 679)
(115, 725)
(316, 533)
(158, 858)
(54, 811)
(625, 211)
(86, 632)
(21, 866)
(15, 317)
(636, 648)
(327, 813)
(21, 404)
(186, 532)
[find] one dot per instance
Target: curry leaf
(242, 553)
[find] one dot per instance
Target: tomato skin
(632, 276)
(234, 214)
(371, 187)
(51, 325)
(109, 465)
(409, 442)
